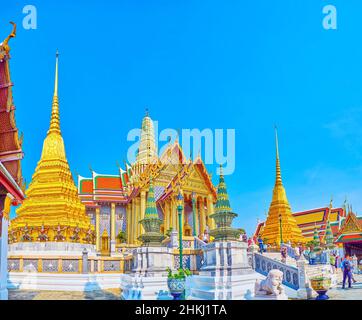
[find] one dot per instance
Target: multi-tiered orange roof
(10, 144)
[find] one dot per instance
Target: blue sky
(201, 64)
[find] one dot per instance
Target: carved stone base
(137, 287)
(38, 248)
(62, 281)
(152, 261)
(225, 258)
(225, 274)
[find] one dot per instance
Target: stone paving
(109, 294)
(355, 293)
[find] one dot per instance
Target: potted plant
(321, 285)
(176, 282)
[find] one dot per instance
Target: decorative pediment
(195, 181)
(351, 225)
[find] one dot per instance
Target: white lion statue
(272, 285)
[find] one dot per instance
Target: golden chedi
(280, 226)
(52, 210)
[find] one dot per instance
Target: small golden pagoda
(52, 210)
(280, 225)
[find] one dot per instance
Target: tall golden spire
(55, 123)
(278, 178)
(280, 222)
(52, 197)
(279, 193)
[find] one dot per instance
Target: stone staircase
(323, 269)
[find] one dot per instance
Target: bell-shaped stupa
(52, 210)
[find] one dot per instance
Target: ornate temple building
(11, 192)
(308, 220)
(348, 233)
(52, 210)
(116, 203)
(280, 225)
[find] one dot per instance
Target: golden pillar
(210, 211)
(129, 222)
(134, 221)
(170, 216)
(166, 216)
(113, 221)
(7, 206)
(197, 221)
(174, 215)
(143, 208)
(172, 224)
(202, 215)
(98, 235)
(138, 215)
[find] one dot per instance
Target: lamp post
(180, 200)
(193, 197)
(281, 230)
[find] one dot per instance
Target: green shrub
(180, 274)
(122, 236)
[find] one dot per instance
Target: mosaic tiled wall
(13, 264)
(105, 219)
(50, 265)
(121, 221)
(30, 264)
(110, 265)
(70, 265)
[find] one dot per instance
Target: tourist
(206, 237)
(346, 267)
(336, 264)
(297, 253)
(332, 261)
(354, 267)
(261, 246)
(301, 249)
(250, 241)
(283, 252)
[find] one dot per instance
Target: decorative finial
(221, 172)
(147, 114)
(278, 180)
(11, 35)
(331, 203)
(55, 118)
(56, 73)
(276, 141)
